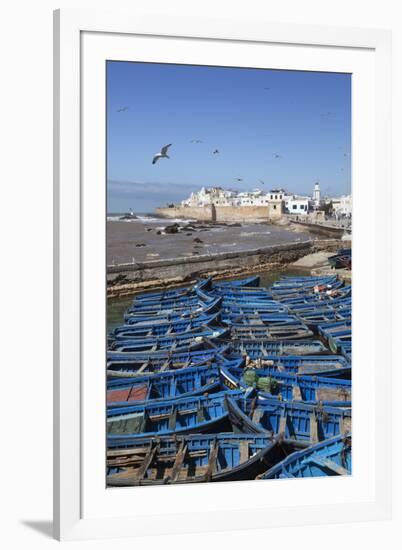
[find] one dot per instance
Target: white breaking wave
(253, 233)
(141, 218)
(147, 219)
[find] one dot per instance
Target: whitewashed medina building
(343, 205)
(218, 196)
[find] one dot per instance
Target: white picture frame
(83, 508)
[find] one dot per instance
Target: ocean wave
(253, 233)
(144, 218)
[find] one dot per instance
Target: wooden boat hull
(194, 459)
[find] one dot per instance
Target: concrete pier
(124, 279)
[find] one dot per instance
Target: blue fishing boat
(171, 341)
(202, 284)
(319, 292)
(252, 281)
(262, 319)
(328, 315)
(255, 349)
(156, 315)
(193, 458)
(198, 414)
(171, 304)
(234, 292)
(294, 331)
(144, 367)
(163, 328)
(251, 302)
(206, 350)
(291, 419)
(164, 385)
(343, 258)
(337, 334)
(290, 283)
(312, 300)
(332, 457)
(345, 347)
(256, 308)
(333, 366)
(288, 386)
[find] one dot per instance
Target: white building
(224, 197)
(343, 205)
(297, 205)
(212, 195)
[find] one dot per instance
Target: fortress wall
(202, 213)
(246, 213)
(224, 213)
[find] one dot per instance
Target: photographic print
(229, 274)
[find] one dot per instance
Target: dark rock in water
(159, 232)
(149, 228)
(140, 244)
(236, 224)
(188, 234)
(119, 279)
(197, 240)
(128, 217)
(174, 228)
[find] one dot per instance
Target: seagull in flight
(263, 182)
(239, 179)
(215, 152)
(277, 156)
(196, 141)
(122, 109)
(162, 154)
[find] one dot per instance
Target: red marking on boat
(132, 393)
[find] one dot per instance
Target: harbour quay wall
(216, 213)
(124, 279)
(321, 228)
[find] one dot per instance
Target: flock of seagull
(162, 154)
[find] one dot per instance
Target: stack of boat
(228, 381)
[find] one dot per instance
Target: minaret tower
(317, 194)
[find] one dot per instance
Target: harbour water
(145, 239)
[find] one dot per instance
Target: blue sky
(249, 115)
